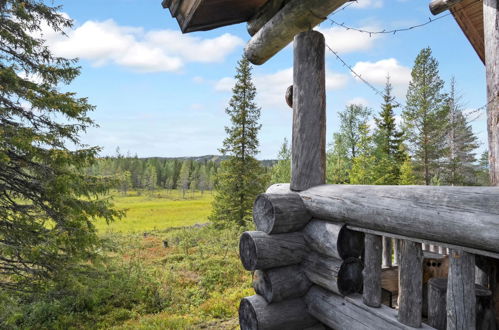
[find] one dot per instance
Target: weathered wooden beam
(339, 276)
(278, 284)
(410, 284)
(439, 6)
(333, 239)
(296, 16)
(491, 38)
(278, 213)
(350, 312)
(396, 251)
(437, 292)
(371, 294)
(259, 250)
(418, 212)
(308, 154)
(461, 300)
(256, 314)
(387, 252)
(264, 14)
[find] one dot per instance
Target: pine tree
(281, 171)
(183, 179)
(241, 177)
(425, 116)
(461, 142)
(48, 202)
(388, 140)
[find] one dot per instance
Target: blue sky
(161, 93)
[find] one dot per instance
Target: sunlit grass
(158, 210)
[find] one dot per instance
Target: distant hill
(207, 158)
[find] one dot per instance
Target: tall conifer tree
(460, 167)
(425, 117)
(241, 177)
(388, 140)
(47, 200)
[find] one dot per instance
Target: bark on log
(308, 154)
(256, 314)
(371, 294)
(350, 313)
(264, 14)
(410, 283)
(461, 291)
(462, 216)
(281, 283)
(387, 252)
(297, 16)
(258, 250)
(491, 41)
(439, 6)
(333, 239)
(277, 213)
(339, 276)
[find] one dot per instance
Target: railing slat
(410, 284)
(372, 270)
(461, 300)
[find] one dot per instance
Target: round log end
(247, 315)
(289, 96)
(263, 213)
(350, 276)
(247, 251)
(263, 285)
(350, 243)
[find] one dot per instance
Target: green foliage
(407, 176)
(241, 177)
(364, 164)
(47, 202)
(338, 161)
(425, 116)
(353, 121)
(281, 171)
(388, 139)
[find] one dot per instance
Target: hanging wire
(395, 102)
(391, 31)
(351, 2)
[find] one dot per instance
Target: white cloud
(376, 73)
(225, 84)
(271, 88)
(103, 42)
(358, 100)
(343, 40)
(364, 4)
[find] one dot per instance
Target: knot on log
(289, 96)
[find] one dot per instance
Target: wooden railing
(310, 272)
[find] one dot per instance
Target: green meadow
(158, 210)
(160, 271)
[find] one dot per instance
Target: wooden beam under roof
(202, 15)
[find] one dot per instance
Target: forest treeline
(184, 173)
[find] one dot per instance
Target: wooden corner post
(308, 166)
(491, 38)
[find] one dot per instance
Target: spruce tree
(241, 177)
(338, 161)
(388, 141)
(48, 202)
(425, 117)
(461, 143)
